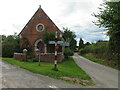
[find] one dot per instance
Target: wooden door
(41, 47)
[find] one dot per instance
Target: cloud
(74, 14)
(91, 35)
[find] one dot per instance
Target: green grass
(67, 68)
(101, 61)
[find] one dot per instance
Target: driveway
(15, 77)
(104, 77)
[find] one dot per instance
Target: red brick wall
(31, 33)
(19, 56)
(49, 57)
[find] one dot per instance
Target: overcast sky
(74, 14)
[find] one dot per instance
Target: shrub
(10, 44)
(101, 50)
(7, 51)
(83, 51)
(68, 52)
(95, 48)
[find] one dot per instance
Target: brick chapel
(33, 32)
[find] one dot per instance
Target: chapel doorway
(41, 47)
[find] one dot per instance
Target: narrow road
(15, 77)
(104, 77)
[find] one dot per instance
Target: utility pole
(56, 42)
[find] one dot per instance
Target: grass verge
(101, 61)
(68, 70)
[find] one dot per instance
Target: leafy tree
(81, 44)
(10, 44)
(3, 37)
(109, 17)
(69, 36)
(48, 36)
(87, 43)
(73, 43)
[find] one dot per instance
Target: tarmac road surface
(104, 77)
(15, 77)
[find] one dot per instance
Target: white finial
(39, 6)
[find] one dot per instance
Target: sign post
(56, 47)
(57, 44)
(39, 58)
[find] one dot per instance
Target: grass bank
(68, 70)
(100, 61)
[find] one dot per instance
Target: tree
(48, 36)
(87, 43)
(69, 36)
(73, 43)
(109, 17)
(3, 37)
(10, 44)
(81, 44)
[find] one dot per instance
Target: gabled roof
(39, 16)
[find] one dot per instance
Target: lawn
(68, 70)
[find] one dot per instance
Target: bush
(68, 52)
(101, 50)
(95, 48)
(10, 44)
(83, 51)
(7, 51)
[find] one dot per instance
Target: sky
(74, 14)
